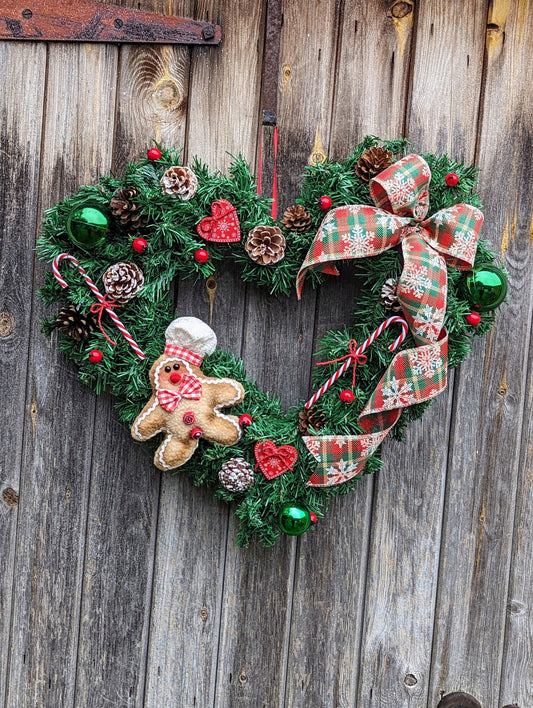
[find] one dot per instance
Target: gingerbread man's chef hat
(190, 339)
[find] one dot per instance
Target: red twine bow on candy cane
(98, 309)
(103, 303)
(353, 355)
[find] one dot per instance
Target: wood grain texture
(372, 76)
(332, 563)
(484, 461)
(20, 142)
(445, 95)
(58, 434)
(407, 512)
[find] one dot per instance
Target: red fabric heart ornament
(223, 226)
(272, 460)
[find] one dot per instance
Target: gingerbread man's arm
(149, 422)
(225, 392)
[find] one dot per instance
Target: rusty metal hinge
(89, 21)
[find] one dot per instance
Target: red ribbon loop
(98, 309)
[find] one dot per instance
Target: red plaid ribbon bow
(428, 244)
(190, 387)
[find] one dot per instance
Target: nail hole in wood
(6, 324)
(491, 27)
(10, 496)
(204, 614)
(459, 700)
(242, 677)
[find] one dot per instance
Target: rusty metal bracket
(89, 21)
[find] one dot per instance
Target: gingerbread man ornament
(185, 404)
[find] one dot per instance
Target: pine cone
(265, 245)
(179, 181)
(127, 210)
(75, 324)
(312, 418)
(372, 162)
(389, 298)
(297, 219)
(122, 281)
(236, 474)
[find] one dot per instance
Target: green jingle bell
(87, 225)
(293, 520)
(485, 287)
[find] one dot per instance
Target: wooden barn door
(121, 586)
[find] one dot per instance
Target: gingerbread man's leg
(174, 452)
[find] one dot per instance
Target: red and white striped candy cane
(98, 295)
(354, 356)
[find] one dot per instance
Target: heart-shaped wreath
(429, 275)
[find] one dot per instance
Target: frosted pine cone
(389, 298)
(265, 245)
(236, 474)
(122, 281)
(179, 181)
(372, 162)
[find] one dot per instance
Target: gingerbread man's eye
(167, 369)
(176, 367)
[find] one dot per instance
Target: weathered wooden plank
(153, 94)
(490, 401)
(324, 670)
(20, 138)
(192, 532)
(407, 512)
(125, 486)
(58, 433)
(516, 687)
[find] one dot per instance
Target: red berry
(95, 356)
(347, 396)
(154, 154)
(201, 255)
(245, 420)
(140, 245)
(314, 517)
(451, 179)
(473, 319)
(325, 202)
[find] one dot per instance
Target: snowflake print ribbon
(449, 237)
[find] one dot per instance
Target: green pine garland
(171, 234)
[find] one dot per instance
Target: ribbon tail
(413, 376)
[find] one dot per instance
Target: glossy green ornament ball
(294, 520)
(87, 225)
(485, 287)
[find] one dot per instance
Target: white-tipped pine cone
(389, 297)
(122, 281)
(179, 181)
(265, 245)
(236, 474)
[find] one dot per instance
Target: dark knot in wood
(10, 496)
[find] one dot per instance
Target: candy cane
(98, 295)
(353, 357)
